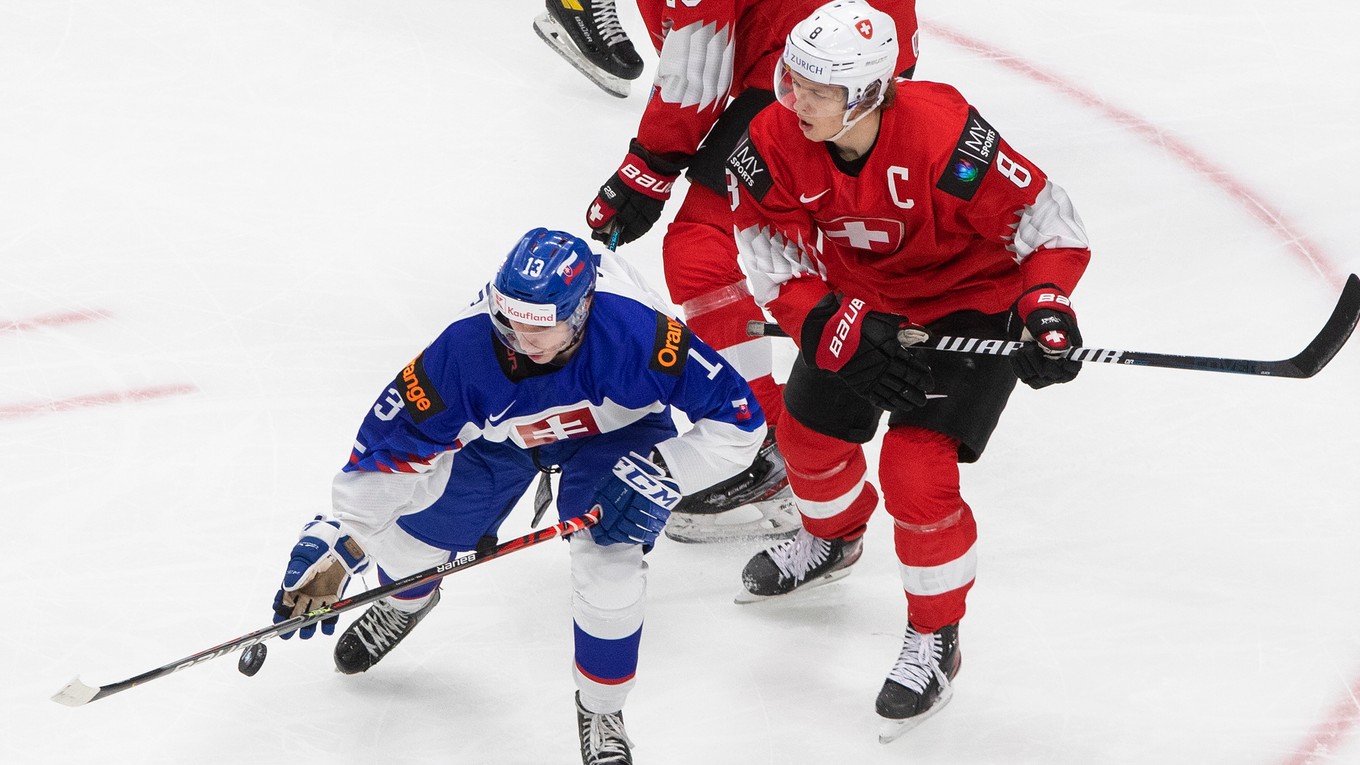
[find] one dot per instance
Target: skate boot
(603, 739)
(753, 504)
(373, 635)
(802, 562)
(587, 33)
(919, 684)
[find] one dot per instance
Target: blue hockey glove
(322, 562)
(634, 501)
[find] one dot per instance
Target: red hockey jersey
(715, 49)
(943, 216)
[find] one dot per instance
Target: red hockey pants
(934, 531)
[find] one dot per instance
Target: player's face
(541, 344)
(820, 108)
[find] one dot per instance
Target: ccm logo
(415, 393)
(847, 320)
(645, 180)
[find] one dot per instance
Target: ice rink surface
(225, 226)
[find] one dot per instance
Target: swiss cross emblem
(1055, 338)
(866, 28)
(880, 235)
(559, 427)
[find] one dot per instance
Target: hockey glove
(323, 561)
(862, 348)
(634, 501)
(1046, 317)
(632, 199)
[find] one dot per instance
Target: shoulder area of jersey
(617, 276)
(927, 93)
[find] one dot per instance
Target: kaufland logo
(522, 312)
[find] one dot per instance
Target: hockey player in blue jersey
(565, 361)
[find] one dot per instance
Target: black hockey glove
(632, 199)
(861, 347)
(1046, 317)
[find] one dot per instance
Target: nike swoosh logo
(936, 395)
(493, 418)
(805, 199)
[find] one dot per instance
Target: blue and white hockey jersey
(634, 360)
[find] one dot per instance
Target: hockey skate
(754, 504)
(603, 739)
(374, 635)
(587, 33)
(800, 563)
(919, 684)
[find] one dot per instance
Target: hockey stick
(77, 693)
(1306, 363)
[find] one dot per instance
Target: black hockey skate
(374, 635)
(603, 739)
(802, 562)
(587, 33)
(919, 684)
(753, 504)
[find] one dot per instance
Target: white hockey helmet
(846, 44)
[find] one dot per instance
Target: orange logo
(668, 354)
(415, 392)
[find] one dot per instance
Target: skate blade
(890, 730)
(771, 520)
(552, 33)
(744, 597)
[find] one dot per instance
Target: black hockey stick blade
(1334, 333)
(77, 693)
(1306, 363)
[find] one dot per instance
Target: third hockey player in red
(865, 207)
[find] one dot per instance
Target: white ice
(253, 213)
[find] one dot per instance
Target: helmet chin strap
(850, 122)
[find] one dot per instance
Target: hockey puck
(252, 659)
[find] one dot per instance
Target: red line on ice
(1345, 713)
(1303, 248)
(51, 320)
(134, 395)
(1325, 736)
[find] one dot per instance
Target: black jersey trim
(671, 348)
(972, 157)
(749, 168)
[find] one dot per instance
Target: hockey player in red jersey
(864, 207)
(717, 62)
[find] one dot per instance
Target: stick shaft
(1306, 363)
(77, 693)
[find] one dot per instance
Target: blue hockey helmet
(546, 280)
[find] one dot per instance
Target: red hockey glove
(632, 199)
(1047, 318)
(861, 347)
